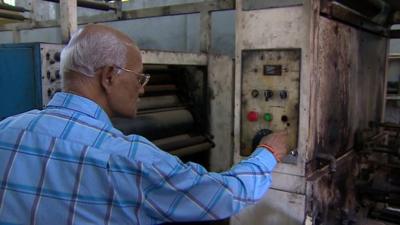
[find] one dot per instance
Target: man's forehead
(134, 57)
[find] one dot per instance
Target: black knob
(268, 94)
(254, 93)
(258, 136)
(283, 94)
(58, 74)
(57, 56)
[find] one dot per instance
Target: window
(10, 2)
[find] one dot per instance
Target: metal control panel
(270, 94)
(50, 71)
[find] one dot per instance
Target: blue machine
(26, 76)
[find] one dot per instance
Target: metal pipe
(192, 149)
(89, 4)
(12, 8)
(330, 158)
(12, 16)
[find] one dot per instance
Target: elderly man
(66, 164)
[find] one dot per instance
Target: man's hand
(278, 141)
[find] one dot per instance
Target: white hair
(88, 52)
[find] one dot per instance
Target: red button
(252, 116)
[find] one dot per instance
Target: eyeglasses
(142, 77)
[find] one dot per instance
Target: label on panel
(270, 95)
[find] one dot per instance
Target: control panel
(50, 71)
(270, 95)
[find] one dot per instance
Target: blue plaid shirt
(67, 164)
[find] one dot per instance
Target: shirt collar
(79, 104)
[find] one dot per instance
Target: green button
(267, 117)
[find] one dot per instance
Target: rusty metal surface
(349, 89)
(348, 93)
(340, 12)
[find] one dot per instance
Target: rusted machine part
(371, 141)
(391, 126)
(157, 125)
(179, 141)
(192, 149)
(344, 159)
(328, 158)
(365, 139)
(383, 164)
(90, 4)
(12, 8)
(386, 214)
(154, 102)
(386, 149)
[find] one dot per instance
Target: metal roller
(166, 101)
(160, 89)
(179, 141)
(192, 149)
(157, 79)
(157, 125)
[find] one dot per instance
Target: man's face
(125, 96)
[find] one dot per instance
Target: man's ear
(107, 77)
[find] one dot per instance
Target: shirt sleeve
(174, 191)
